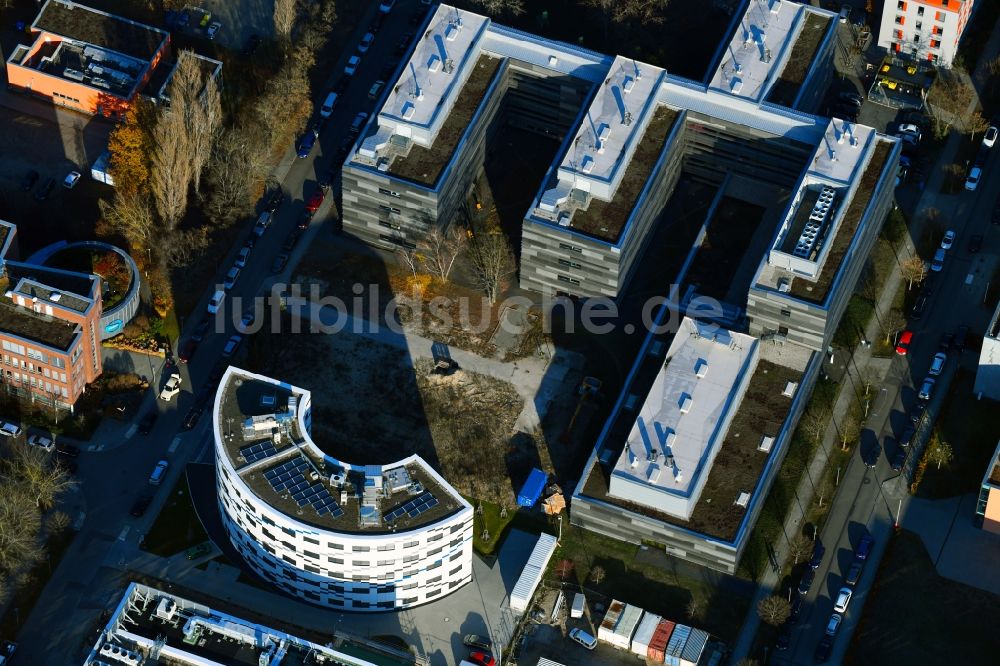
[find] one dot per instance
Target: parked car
(851, 97)
(834, 624)
(42, 442)
(279, 263)
(315, 200)
(7, 650)
(358, 123)
(386, 6)
(304, 221)
(903, 344)
(274, 200)
(817, 556)
(898, 460)
(854, 573)
(937, 363)
(263, 222)
(869, 454)
(201, 330)
(843, 600)
(366, 42)
(975, 244)
(972, 180)
(43, 192)
(191, 418)
(795, 607)
(990, 136)
(306, 143)
(140, 505)
(903, 170)
(184, 19)
(147, 422)
(8, 429)
(291, 240)
(328, 105)
(201, 550)
(960, 337)
(71, 179)
(352, 65)
(918, 307)
(215, 302)
(583, 638)
(948, 240)
(823, 650)
(807, 580)
(171, 388)
(213, 29)
(187, 350)
(911, 129)
(482, 658)
(160, 471)
(926, 389)
(375, 89)
(937, 264)
(478, 642)
(29, 181)
(864, 548)
(946, 342)
(907, 438)
(232, 344)
(231, 277)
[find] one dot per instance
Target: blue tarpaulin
(532, 488)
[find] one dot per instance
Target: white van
(328, 105)
(216, 302)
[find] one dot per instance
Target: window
(571, 264)
(390, 193)
(786, 313)
(918, 25)
(920, 11)
(335, 560)
(571, 248)
(411, 544)
(457, 555)
(411, 558)
(435, 537)
(310, 554)
(359, 549)
(900, 20)
(434, 593)
(435, 579)
(385, 547)
(361, 563)
(940, 16)
(565, 278)
(901, 6)
(935, 43)
(336, 546)
(455, 571)
(314, 542)
(916, 39)
(386, 563)
(437, 550)
(397, 241)
(389, 225)
(389, 209)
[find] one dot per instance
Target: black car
(291, 239)
(147, 422)
(918, 308)
(823, 650)
(191, 418)
(43, 192)
(340, 87)
(854, 574)
(819, 550)
(201, 330)
(140, 505)
(784, 637)
(795, 607)
(304, 221)
(68, 450)
(869, 454)
(253, 43)
(960, 337)
(807, 580)
(477, 642)
(864, 548)
(218, 370)
(975, 244)
(898, 460)
(906, 438)
(917, 412)
(274, 200)
(279, 263)
(29, 180)
(946, 342)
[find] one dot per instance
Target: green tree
(130, 146)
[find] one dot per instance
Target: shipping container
(532, 574)
(676, 645)
(542, 661)
(644, 633)
(658, 644)
(610, 621)
(621, 637)
(693, 648)
(532, 488)
(579, 605)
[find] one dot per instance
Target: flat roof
(677, 433)
(800, 61)
(260, 425)
(36, 327)
(758, 47)
(191, 632)
(438, 67)
(85, 24)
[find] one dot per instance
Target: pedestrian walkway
(859, 363)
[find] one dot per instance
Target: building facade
(988, 506)
(988, 373)
(355, 538)
(85, 59)
(928, 30)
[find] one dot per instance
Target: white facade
(988, 374)
(926, 29)
(370, 567)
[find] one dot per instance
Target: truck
(579, 604)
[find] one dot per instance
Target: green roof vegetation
(786, 87)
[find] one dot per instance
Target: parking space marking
(131, 431)
(121, 537)
(174, 444)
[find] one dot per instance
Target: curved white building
(350, 537)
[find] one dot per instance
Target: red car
(482, 658)
(903, 345)
(315, 201)
(187, 350)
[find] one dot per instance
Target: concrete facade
(988, 373)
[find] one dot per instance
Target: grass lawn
(177, 527)
(914, 616)
(491, 521)
(972, 430)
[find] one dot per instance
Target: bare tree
(892, 323)
(185, 245)
(57, 522)
(440, 249)
(815, 422)
(976, 123)
(498, 7)
(695, 609)
(940, 452)
(597, 574)
(285, 14)
(774, 610)
(20, 521)
(620, 11)
(850, 429)
(130, 216)
(913, 270)
(949, 100)
(41, 481)
(799, 547)
(492, 261)
(238, 163)
(171, 173)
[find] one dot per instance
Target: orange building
(49, 329)
(988, 507)
(86, 59)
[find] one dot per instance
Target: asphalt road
(869, 500)
(93, 570)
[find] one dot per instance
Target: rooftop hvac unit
(790, 389)
(784, 285)
(765, 444)
(166, 608)
(382, 165)
(653, 473)
(700, 368)
(338, 480)
(633, 460)
(564, 219)
(451, 32)
(587, 165)
(73, 74)
(434, 63)
(100, 83)
(743, 500)
(628, 84)
(408, 109)
(685, 403)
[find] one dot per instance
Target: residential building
(49, 330)
(349, 537)
(988, 373)
(85, 59)
(152, 626)
(988, 507)
(925, 29)
(694, 442)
